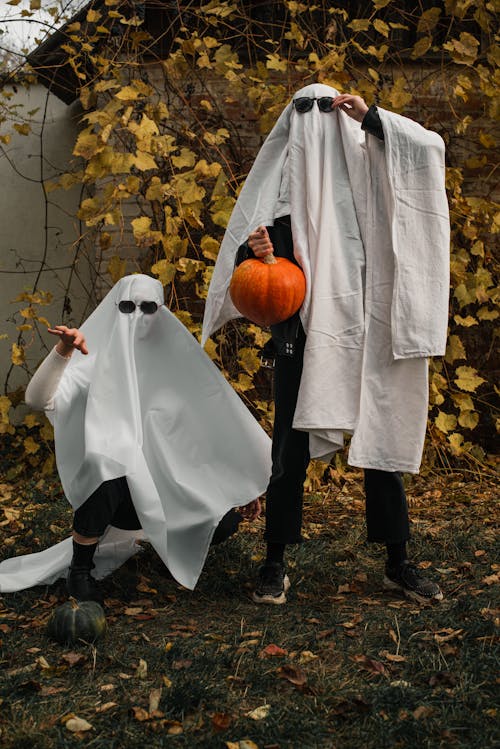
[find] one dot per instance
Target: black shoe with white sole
(272, 584)
(407, 578)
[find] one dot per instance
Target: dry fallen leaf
(154, 699)
(271, 651)
(74, 659)
(394, 657)
(140, 714)
(142, 669)
(221, 721)
(107, 706)
(306, 656)
(259, 713)
(76, 724)
(371, 665)
(293, 674)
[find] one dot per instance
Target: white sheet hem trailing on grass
(148, 403)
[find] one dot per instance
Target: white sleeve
(43, 385)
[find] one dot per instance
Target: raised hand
(353, 106)
(260, 242)
(69, 340)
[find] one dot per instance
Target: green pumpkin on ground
(77, 620)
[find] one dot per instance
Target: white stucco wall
(32, 226)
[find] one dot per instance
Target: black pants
(386, 506)
(111, 504)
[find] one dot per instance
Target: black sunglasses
(305, 103)
(127, 306)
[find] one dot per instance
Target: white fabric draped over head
(147, 403)
(370, 230)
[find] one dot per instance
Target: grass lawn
(342, 665)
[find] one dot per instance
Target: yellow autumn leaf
(185, 158)
(47, 431)
(86, 145)
(454, 349)
(143, 234)
(487, 314)
(487, 140)
(463, 50)
(5, 405)
(259, 713)
(165, 271)
(456, 443)
(17, 354)
(215, 139)
(466, 322)
(445, 422)
(249, 360)
(463, 401)
(468, 379)
(156, 190)
(30, 420)
(30, 446)
(399, 96)
(93, 16)
(463, 295)
(127, 93)
(360, 24)
(244, 383)
(378, 4)
(468, 419)
(23, 129)
(221, 211)
(204, 169)
(144, 161)
(143, 132)
(211, 349)
(381, 27)
(275, 62)
(116, 268)
(209, 247)
(428, 20)
(421, 47)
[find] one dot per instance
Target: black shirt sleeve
(372, 124)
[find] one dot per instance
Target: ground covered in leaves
(342, 665)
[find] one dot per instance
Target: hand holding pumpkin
(260, 242)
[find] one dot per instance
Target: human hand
(69, 339)
(353, 106)
(260, 242)
(251, 511)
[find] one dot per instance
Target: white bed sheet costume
(148, 403)
(370, 227)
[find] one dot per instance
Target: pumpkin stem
(269, 259)
(74, 603)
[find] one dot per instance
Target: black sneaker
(409, 579)
(82, 586)
(272, 584)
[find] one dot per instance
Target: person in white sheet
(148, 435)
(355, 196)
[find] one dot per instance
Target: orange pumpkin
(267, 291)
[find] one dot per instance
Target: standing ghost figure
(356, 197)
(148, 434)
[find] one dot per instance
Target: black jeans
(386, 506)
(111, 504)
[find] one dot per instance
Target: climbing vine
(173, 113)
